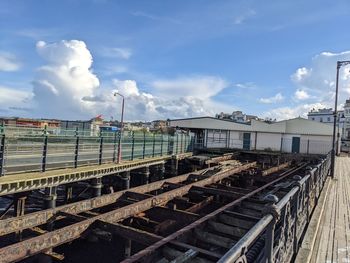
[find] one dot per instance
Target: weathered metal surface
(275, 169)
(38, 218)
(66, 234)
(31, 181)
(149, 250)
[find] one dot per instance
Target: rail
(282, 228)
(40, 152)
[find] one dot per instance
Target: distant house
(293, 136)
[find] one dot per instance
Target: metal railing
(277, 236)
(24, 152)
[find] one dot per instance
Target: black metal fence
(277, 236)
(22, 152)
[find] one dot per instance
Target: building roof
(292, 126)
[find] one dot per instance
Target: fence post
(177, 142)
(161, 145)
(144, 145)
(119, 145)
(281, 144)
(115, 146)
(308, 145)
(76, 151)
(2, 154)
(182, 143)
(168, 150)
(132, 145)
(43, 162)
(101, 150)
(154, 144)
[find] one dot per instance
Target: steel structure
(232, 212)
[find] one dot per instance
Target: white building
(296, 135)
(346, 131)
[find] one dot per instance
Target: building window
(313, 118)
(321, 119)
(329, 119)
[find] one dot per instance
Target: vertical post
(154, 144)
(115, 146)
(2, 154)
(144, 145)
(119, 147)
(132, 144)
(168, 144)
(69, 193)
(146, 174)
(308, 146)
(125, 177)
(96, 185)
(76, 151)
(50, 197)
(177, 143)
(335, 121)
(256, 140)
(161, 171)
(161, 145)
(100, 156)
(181, 143)
(281, 147)
(43, 162)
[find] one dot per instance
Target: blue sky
(171, 58)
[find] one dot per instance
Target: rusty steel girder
(151, 249)
(44, 242)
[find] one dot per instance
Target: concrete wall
(268, 141)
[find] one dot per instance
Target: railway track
(196, 217)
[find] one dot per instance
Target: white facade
(295, 135)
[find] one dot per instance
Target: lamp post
(339, 65)
(121, 128)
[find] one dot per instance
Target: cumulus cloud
(301, 95)
(61, 84)
(65, 87)
(277, 98)
(8, 62)
(316, 85)
(283, 113)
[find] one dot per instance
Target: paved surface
(333, 236)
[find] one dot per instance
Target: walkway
(333, 237)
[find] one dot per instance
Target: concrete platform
(328, 236)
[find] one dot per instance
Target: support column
(96, 186)
(50, 197)
(145, 174)
(161, 171)
(127, 251)
(19, 204)
(69, 193)
(174, 166)
(125, 177)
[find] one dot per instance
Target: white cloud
(60, 85)
(65, 87)
(283, 113)
(13, 98)
(244, 16)
(8, 62)
(202, 87)
(277, 98)
(117, 52)
(316, 84)
(301, 95)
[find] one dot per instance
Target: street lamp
(339, 65)
(121, 128)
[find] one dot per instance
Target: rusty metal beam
(146, 238)
(275, 169)
(66, 234)
(14, 224)
(149, 250)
